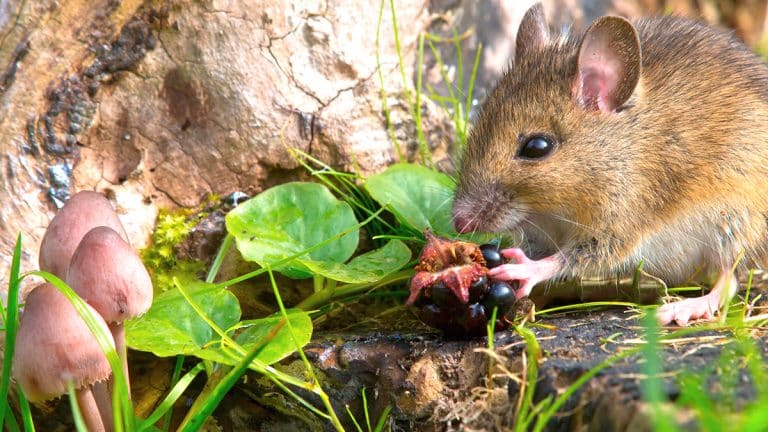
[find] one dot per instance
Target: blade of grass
(77, 416)
(167, 404)
(174, 382)
(531, 362)
(471, 88)
(383, 419)
(11, 326)
(354, 420)
(365, 409)
(651, 386)
(730, 292)
(13, 426)
(586, 305)
(384, 104)
(459, 68)
(746, 294)
(26, 413)
(196, 420)
(310, 370)
(424, 152)
(216, 265)
(413, 106)
(490, 327)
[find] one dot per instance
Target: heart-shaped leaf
(418, 197)
(291, 218)
(368, 267)
(172, 326)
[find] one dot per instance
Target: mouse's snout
(463, 223)
(464, 217)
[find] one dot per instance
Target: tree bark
(162, 104)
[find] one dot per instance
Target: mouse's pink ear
(608, 65)
(532, 34)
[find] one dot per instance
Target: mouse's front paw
(526, 271)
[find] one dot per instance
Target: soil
(438, 384)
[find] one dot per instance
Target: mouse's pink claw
(702, 308)
(526, 271)
(684, 311)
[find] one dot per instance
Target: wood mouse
(634, 141)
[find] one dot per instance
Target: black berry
(443, 296)
(500, 295)
(491, 255)
(474, 320)
(433, 315)
(478, 289)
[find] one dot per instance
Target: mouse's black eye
(536, 147)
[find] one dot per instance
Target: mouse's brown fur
(676, 176)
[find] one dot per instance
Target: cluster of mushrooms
(85, 245)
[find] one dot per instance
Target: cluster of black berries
(439, 307)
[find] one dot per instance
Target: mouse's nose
(464, 223)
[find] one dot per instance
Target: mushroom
(54, 346)
(83, 211)
(108, 274)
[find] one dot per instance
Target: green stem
(26, 413)
(383, 419)
(177, 388)
(214, 270)
(384, 103)
(317, 282)
(323, 297)
(174, 381)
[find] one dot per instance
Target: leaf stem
(320, 298)
(222, 252)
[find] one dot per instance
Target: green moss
(160, 257)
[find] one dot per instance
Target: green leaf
(288, 219)
(418, 197)
(282, 345)
(172, 327)
(366, 268)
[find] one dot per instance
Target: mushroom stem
(118, 333)
(89, 409)
(102, 393)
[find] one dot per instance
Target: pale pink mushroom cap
(107, 273)
(82, 212)
(54, 345)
